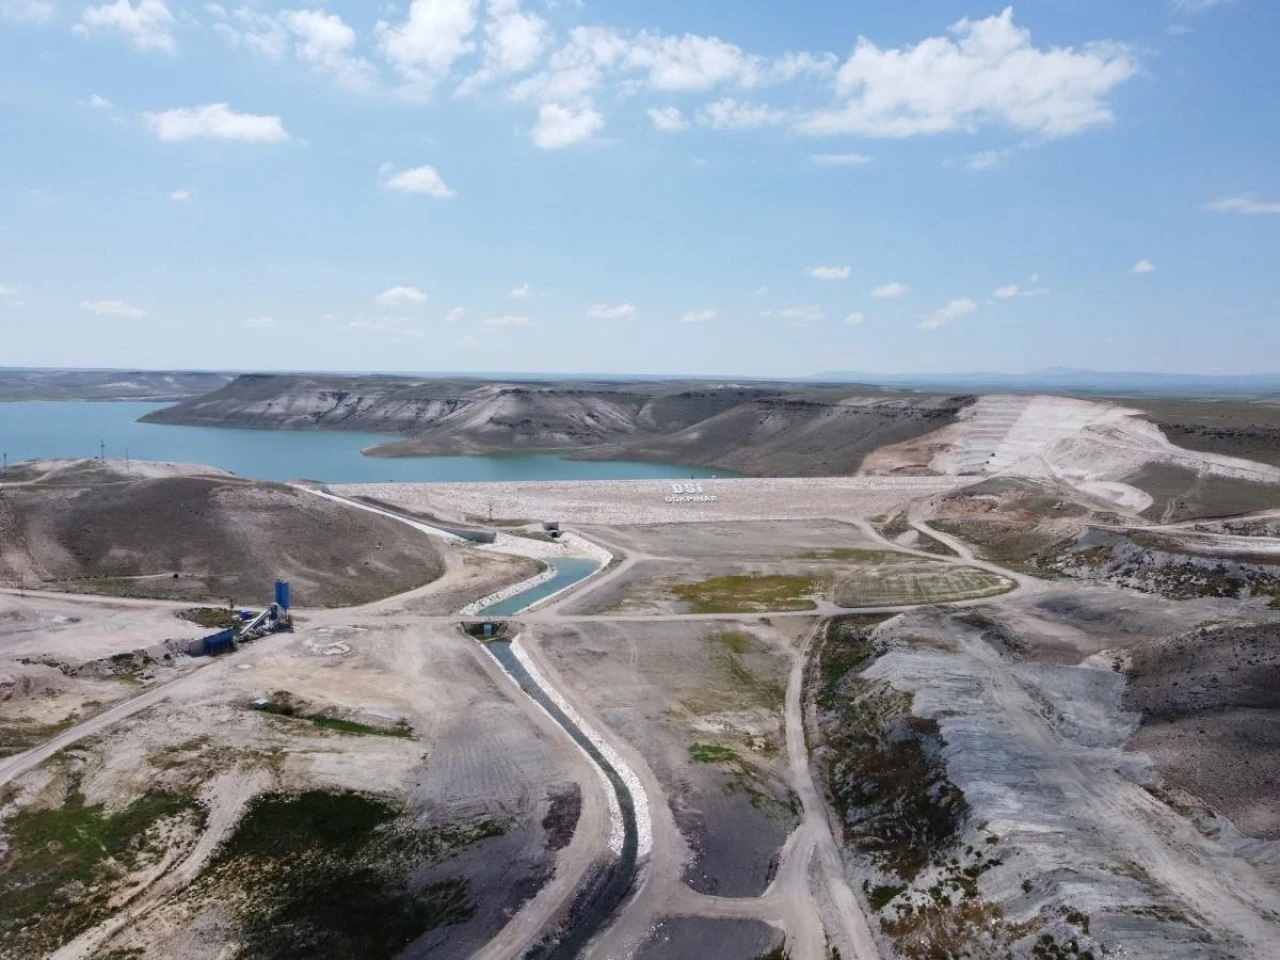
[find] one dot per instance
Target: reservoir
(73, 429)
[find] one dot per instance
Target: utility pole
(102, 450)
(4, 471)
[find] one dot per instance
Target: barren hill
(789, 429)
(173, 534)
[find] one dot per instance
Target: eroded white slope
(1091, 444)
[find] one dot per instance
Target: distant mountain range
(1069, 380)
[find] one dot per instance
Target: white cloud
(113, 308)
(9, 298)
(455, 315)
(424, 179)
(470, 341)
(855, 318)
(668, 119)
(215, 121)
(1244, 204)
(1007, 292)
(1143, 266)
(96, 102)
(147, 25)
(729, 114)
(259, 322)
(26, 11)
(952, 311)
(761, 291)
(1198, 6)
(514, 42)
(987, 160)
(601, 311)
(802, 314)
(699, 316)
(182, 196)
(522, 292)
(891, 291)
(327, 316)
(1035, 278)
(325, 42)
(830, 273)
(257, 32)
(689, 62)
(433, 36)
(840, 159)
(400, 297)
(986, 73)
(506, 321)
(559, 127)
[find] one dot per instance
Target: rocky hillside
(752, 428)
(94, 529)
(106, 384)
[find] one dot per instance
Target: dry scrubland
(99, 529)
(399, 805)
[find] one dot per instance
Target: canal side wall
(639, 799)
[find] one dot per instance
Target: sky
(702, 187)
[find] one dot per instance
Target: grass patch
(64, 865)
(713, 753)
(744, 594)
(18, 737)
(325, 876)
(336, 725)
(881, 896)
(924, 585)
(855, 555)
(211, 618)
(846, 649)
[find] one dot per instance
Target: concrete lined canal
(596, 904)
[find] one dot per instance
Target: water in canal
(568, 570)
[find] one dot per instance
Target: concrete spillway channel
(597, 902)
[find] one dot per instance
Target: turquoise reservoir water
(38, 429)
(568, 571)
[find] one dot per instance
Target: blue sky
(708, 187)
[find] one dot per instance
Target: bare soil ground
(1235, 428)
(702, 703)
(1181, 494)
(1210, 706)
(678, 938)
(203, 538)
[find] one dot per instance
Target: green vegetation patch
(919, 585)
(325, 876)
(336, 725)
(713, 753)
(64, 865)
(745, 594)
(846, 649)
(856, 555)
(212, 618)
(17, 736)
